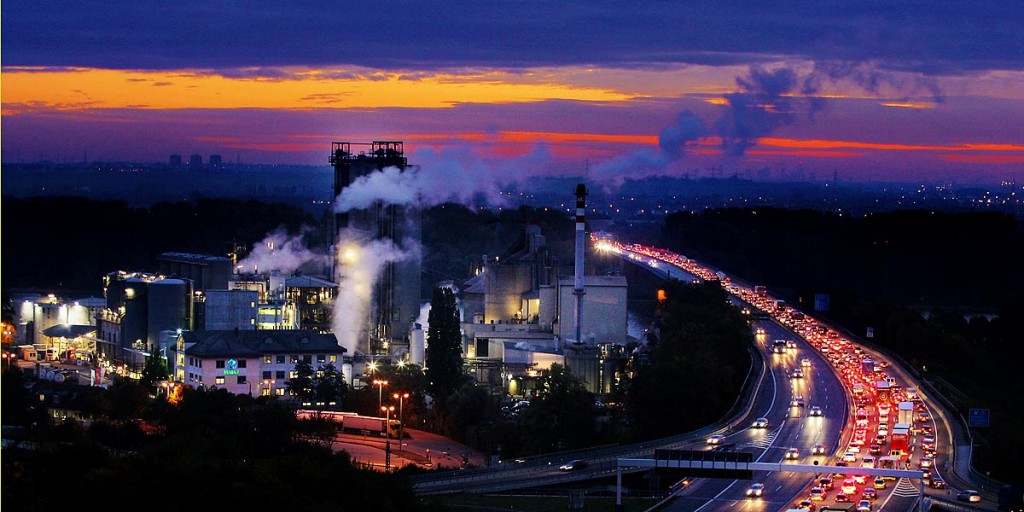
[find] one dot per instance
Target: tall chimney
(578, 289)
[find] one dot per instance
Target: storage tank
(169, 301)
(136, 310)
(417, 345)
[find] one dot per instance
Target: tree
(329, 385)
(444, 346)
(562, 417)
(301, 386)
(154, 370)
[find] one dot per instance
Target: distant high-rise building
(175, 160)
(395, 301)
(215, 161)
(195, 161)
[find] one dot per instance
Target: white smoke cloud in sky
(280, 251)
(359, 266)
(451, 175)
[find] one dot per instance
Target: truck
(352, 423)
(867, 366)
(797, 316)
(780, 306)
(760, 291)
(884, 392)
(899, 441)
(839, 507)
(905, 413)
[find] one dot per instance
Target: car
(853, 448)
(716, 439)
(937, 483)
(805, 505)
(842, 498)
(879, 483)
(792, 454)
(825, 482)
(926, 473)
(761, 423)
(969, 495)
(842, 463)
(817, 494)
(798, 401)
(849, 486)
(819, 449)
(925, 462)
(869, 493)
(797, 373)
(806, 363)
(875, 449)
(573, 465)
(860, 479)
(755, 491)
(864, 505)
(759, 331)
(850, 457)
(815, 410)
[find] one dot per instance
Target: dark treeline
(881, 271)
(212, 449)
(699, 359)
(71, 242)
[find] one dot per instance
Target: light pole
(401, 416)
(387, 437)
(380, 383)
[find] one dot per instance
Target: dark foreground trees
(213, 449)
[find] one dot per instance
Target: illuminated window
(219, 380)
(279, 391)
(267, 359)
(294, 358)
(265, 392)
(293, 374)
(333, 358)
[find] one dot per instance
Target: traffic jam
(891, 427)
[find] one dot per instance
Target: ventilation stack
(578, 289)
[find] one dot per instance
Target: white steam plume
(282, 252)
(454, 175)
(359, 265)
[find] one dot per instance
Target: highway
(843, 358)
(789, 427)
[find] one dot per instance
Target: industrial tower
(395, 300)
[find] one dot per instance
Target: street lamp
(401, 397)
(380, 383)
(387, 437)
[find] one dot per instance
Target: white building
(251, 362)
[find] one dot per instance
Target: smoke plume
(282, 252)
(672, 144)
(454, 175)
(360, 264)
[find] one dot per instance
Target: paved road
(789, 427)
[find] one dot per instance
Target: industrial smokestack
(578, 289)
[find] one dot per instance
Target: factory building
(141, 309)
(520, 311)
(250, 362)
(227, 310)
(394, 304)
(59, 329)
(205, 272)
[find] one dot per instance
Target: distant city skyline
(903, 91)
